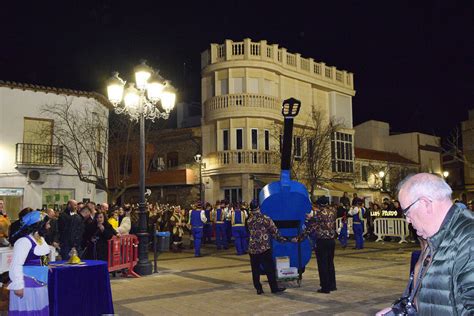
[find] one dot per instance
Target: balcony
(243, 161)
(247, 104)
(271, 53)
(37, 155)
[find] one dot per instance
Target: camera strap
(426, 257)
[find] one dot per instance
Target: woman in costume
(28, 270)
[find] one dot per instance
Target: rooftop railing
(248, 50)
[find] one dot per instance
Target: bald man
(445, 281)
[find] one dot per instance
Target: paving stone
(220, 283)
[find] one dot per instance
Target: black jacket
(96, 245)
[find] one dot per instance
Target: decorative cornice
(78, 93)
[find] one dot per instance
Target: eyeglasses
(405, 210)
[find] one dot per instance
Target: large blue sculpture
(286, 201)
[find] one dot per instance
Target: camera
(402, 307)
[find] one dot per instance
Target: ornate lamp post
(140, 100)
(198, 159)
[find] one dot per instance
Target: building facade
(172, 174)
(422, 149)
(243, 85)
(379, 172)
(467, 128)
(33, 171)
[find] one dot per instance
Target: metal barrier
(349, 225)
(123, 254)
(392, 227)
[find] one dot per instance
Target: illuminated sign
(11, 192)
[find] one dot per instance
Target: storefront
(56, 198)
(13, 198)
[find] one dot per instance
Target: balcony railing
(243, 100)
(252, 157)
(248, 50)
(39, 155)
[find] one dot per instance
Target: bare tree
(453, 146)
(84, 134)
(385, 176)
(311, 162)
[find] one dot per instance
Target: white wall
(15, 104)
(375, 135)
(371, 135)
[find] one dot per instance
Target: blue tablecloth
(80, 289)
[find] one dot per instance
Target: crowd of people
(87, 227)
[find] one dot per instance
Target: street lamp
(198, 159)
(445, 174)
(382, 178)
(140, 100)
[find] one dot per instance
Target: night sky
(413, 60)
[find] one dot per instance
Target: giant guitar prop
(287, 202)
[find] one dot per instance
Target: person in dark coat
(98, 236)
(65, 229)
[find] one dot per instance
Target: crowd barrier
(123, 254)
(391, 227)
(349, 225)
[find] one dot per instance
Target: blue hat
(31, 218)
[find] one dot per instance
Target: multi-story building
(468, 149)
(243, 85)
(423, 149)
(33, 171)
(172, 174)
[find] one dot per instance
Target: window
(100, 160)
(297, 148)
(233, 195)
(267, 140)
(364, 173)
(268, 87)
(341, 153)
(310, 148)
(125, 165)
(239, 139)
(225, 139)
(156, 163)
(38, 138)
(172, 159)
(210, 87)
(252, 85)
(254, 138)
(224, 83)
(56, 198)
(237, 84)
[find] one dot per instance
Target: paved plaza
(220, 283)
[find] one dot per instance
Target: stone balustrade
(246, 157)
(249, 50)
